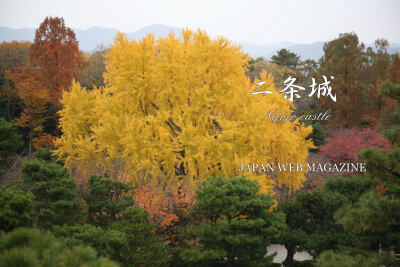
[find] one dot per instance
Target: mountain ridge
(93, 37)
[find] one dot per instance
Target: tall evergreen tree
(385, 165)
(10, 143)
(15, 208)
(310, 223)
(56, 201)
(106, 199)
(233, 225)
(286, 58)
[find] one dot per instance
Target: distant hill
(8, 34)
(306, 51)
(91, 38)
(263, 50)
(158, 30)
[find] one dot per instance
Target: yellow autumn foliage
(178, 110)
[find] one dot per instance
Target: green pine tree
(310, 224)
(232, 225)
(115, 227)
(106, 199)
(286, 58)
(30, 247)
(15, 208)
(56, 201)
(385, 165)
(10, 143)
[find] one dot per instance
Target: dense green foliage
(116, 228)
(232, 225)
(30, 247)
(286, 58)
(310, 224)
(350, 258)
(10, 143)
(318, 136)
(106, 199)
(351, 187)
(55, 193)
(15, 208)
(374, 216)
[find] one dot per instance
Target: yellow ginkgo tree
(177, 111)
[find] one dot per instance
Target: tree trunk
(289, 258)
(30, 145)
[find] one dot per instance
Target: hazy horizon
(257, 22)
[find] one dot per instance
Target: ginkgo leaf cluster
(178, 110)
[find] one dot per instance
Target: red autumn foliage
(344, 145)
(165, 205)
(381, 189)
(394, 69)
(56, 52)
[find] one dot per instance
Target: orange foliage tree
(12, 54)
(54, 61)
(35, 98)
(375, 72)
(344, 59)
(56, 52)
(166, 206)
(394, 68)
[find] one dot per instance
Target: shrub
(344, 145)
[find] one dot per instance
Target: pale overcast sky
(248, 20)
